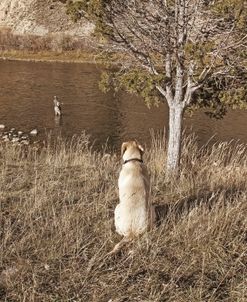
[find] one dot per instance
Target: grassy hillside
(56, 223)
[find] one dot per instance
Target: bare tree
(180, 46)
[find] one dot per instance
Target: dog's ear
(123, 148)
(140, 148)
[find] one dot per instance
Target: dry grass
(47, 56)
(57, 226)
(46, 48)
(51, 42)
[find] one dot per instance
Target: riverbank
(45, 56)
(50, 48)
(57, 208)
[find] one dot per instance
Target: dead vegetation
(57, 226)
(52, 47)
(49, 43)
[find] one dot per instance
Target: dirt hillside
(40, 18)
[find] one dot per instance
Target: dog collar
(133, 159)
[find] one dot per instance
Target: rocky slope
(40, 18)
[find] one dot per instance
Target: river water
(26, 102)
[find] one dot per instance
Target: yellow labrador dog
(134, 214)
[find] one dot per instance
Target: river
(26, 102)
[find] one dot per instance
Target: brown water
(26, 102)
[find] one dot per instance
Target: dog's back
(131, 214)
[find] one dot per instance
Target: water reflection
(58, 121)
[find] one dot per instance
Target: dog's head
(131, 150)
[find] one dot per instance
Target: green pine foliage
(89, 9)
(134, 81)
(74, 10)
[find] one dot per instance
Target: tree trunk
(175, 133)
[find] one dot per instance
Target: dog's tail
(119, 246)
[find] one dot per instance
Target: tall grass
(48, 43)
(56, 223)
